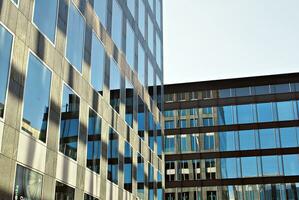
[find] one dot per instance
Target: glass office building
(235, 139)
(81, 88)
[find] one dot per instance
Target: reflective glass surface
(141, 17)
(131, 6)
(228, 141)
(268, 139)
(247, 140)
(63, 192)
(130, 46)
(158, 51)
(94, 141)
(114, 86)
(97, 63)
(5, 53)
(69, 123)
(28, 184)
(249, 166)
(169, 144)
(264, 112)
(113, 156)
(225, 115)
(141, 64)
(128, 167)
(141, 117)
(45, 14)
(271, 165)
(291, 163)
(245, 114)
(89, 197)
(75, 37)
(129, 103)
(116, 29)
(140, 169)
(285, 110)
(150, 34)
(288, 137)
(100, 8)
(158, 12)
(36, 99)
(230, 168)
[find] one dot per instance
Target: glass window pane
(159, 145)
(114, 85)
(116, 29)
(141, 118)
(245, 91)
(141, 17)
(63, 192)
(94, 142)
(169, 144)
(260, 90)
(264, 112)
(28, 184)
(130, 46)
(228, 141)
(100, 8)
(288, 137)
(291, 163)
(247, 140)
(140, 169)
(280, 88)
(5, 53)
(150, 34)
(131, 6)
(159, 51)
(45, 14)
(75, 37)
(97, 63)
(224, 93)
(285, 110)
(113, 156)
(268, 138)
(209, 141)
(245, 114)
(158, 12)
(184, 145)
(230, 168)
(69, 123)
(141, 64)
(225, 115)
(270, 165)
(129, 103)
(88, 197)
(36, 99)
(249, 167)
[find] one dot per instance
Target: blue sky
(216, 39)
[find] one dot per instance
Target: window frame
(56, 22)
(2, 119)
(30, 52)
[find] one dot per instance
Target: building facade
(233, 139)
(81, 84)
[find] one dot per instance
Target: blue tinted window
(208, 121)
(151, 173)
(209, 141)
(249, 166)
(285, 110)
(158, 51)
(129, 103)
(225, 115)
(130, 46)
(140, 170)
(230, 168)
(247, 140)
(260, 90)
(69, 123)
(291, 163)
(131, 6)
(264, 112)
(97, 63)
(5, 53)
(245, 91)
(288, 137)
(116, 29)
(245, 114)
(151, 3)
(128, 166)
(94, 142)
(228, 141)
(114, 85)
(128, 173)
(169, 125)
(141, 118)
(184, 144)
(141, 64)
(268, 138)
(159, 145)
(45, 17)
(193, 122)
(36, 99)
(169, 144)
(100, 8)
(151, 142)
(168, 113)
(280, 88)
(194, 143)
(141, 17)
(150, 34)
(158, 12)
(183, 123)
(207, 110)
(75, 37)
(271, 165)
(224, 93)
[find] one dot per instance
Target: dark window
(28, 184)
(63, 192)
(141, 118)
(115, 84)
(94, 142)
(245, 91)
(45, 14)
(69, 123)
(5, 56)
(211, 195)
(129, 103)
(281, 88)
(128, 167)
(89, 197)
(260, 90)
(113, 156)
(224, 93)
(36, 99)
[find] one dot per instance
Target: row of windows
(234, 140)
(76, 35)
(233, 92)
(280, 191)
(229, 168)
(233, 114)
